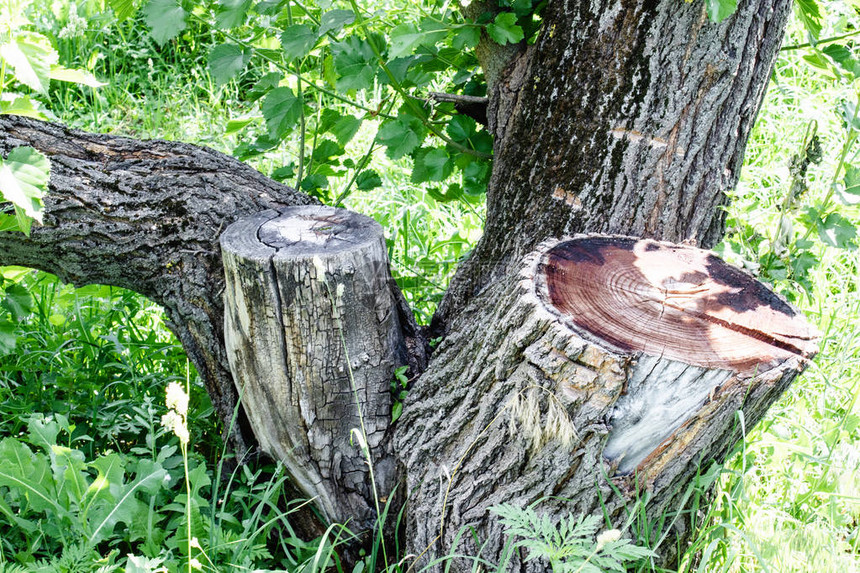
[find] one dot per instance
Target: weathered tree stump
(312, 334)
(604, 364)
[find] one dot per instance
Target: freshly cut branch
(313, 336)
(603, 364)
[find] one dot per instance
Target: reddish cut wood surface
(669, 300)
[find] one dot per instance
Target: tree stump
(604, 364)
(313, 339)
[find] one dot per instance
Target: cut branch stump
(312, 335)
(603, 365)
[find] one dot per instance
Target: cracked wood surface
(674, 301)
(313, 334)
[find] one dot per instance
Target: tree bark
(146, 216)
(625, 116)
(606, 371)
(313, 337)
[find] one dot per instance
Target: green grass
(790, 500)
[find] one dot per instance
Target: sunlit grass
(790, 501)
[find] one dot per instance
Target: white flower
(177, 398)
(176, 424)
(196, 564)
(606, 537)
(75, 27)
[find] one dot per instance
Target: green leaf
(238, 124)
(141, 564)
(345, 128)
(399, 68)
(111, 469)
(313, 183)
(31, 57)
(29, 474)
(329, 73)
(8, 223)
(852, 180)
(284, 173)
(355, 64)
(8, 336)
(431, 165)
(122, 9)
(521, 7)
(333, 21)
(80, 77)
(298, 41)
(453, 193)
(850, 114)
(837, 231)
(809, 12)
(719, 10)
(24, 180)
(231, 13)
(266, 84)
(282, 110)
(22, 105)
(17, 301)
(69, 469)
(461, 127)
(504, 29)
(165, 18)
(367, 180)
(325, 150)
(467, 38)
(125, 503)
(475, 177)
(226, 61)
(401, 136)
(841, 55)
(396, 411)
(406, 37)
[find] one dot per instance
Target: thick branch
(144, 215)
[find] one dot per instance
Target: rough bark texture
(313, 334)
(520, 403)
(626, 116)
(145, 215)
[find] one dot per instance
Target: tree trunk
(626, 116)
(606, 368)
(313, 338)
